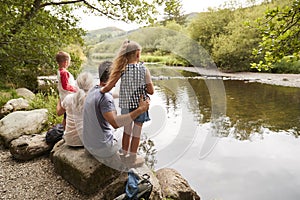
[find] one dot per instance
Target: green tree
(209, 25)
(232, 50)
(280, 33)
(173, 12)
(32, 31)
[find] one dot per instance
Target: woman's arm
(59, 109)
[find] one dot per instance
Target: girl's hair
(62, 56)
(126, 53)
(85, 82)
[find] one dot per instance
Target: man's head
(104, 71)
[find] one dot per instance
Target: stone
(21, 123)
(28, 147)
(174, 186)
(24, 92)
(156, 193)
(14, 105)
(88, 175)
(81, 169)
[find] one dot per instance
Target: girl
(135, 83)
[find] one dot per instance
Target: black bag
(54, 134)
(136, 187)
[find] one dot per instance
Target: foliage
(147, 148)
(286, 66)
(229, 36)
(209, 25)
(6, 95)
(33, 31)
(280, 31)
(173, 12)
(30, 36)
(49, 102)
(226, 34)
(232, 49)
(169, 60)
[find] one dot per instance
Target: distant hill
(99, 35)
(191, 16)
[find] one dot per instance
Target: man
(99, 121)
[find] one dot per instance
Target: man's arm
(110, 84)
(121, 120)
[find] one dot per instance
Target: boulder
(24, 92)
(21, 123)
(89, 176)
(81, 169)
(174, 186)
(14, 105)
(28, 147)
(156, 193)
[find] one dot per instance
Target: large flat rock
(89, 176)
(21, 123)
(81, 169)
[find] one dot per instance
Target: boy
(66, 81)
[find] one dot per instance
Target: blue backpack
(137, 187)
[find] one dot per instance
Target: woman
(73, 106)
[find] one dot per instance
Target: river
(230, 139)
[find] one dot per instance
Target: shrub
(286, 66)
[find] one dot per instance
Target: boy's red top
(64, 76)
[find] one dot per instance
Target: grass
(48, 102)
(6, 95)
(168, 60)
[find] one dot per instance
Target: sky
(93, 22)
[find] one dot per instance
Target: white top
(74, 122)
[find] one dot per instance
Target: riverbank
(288, 80)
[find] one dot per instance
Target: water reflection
(251, 107)
(257, 155)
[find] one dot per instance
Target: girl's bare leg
(126, 138)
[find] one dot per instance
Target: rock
(88, 175)
(156, 193)
(28, 147)
(174, 186)
(81, 169)
(14, 105)
(21, 123)
(115, 188)
(24, 92)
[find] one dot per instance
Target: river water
(232, 140)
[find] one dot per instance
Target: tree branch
(60, 3)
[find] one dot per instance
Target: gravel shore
(36, 179)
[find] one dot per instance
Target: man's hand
(144, 104)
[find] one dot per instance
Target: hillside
(99, 35)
